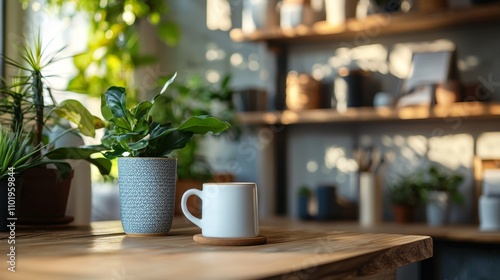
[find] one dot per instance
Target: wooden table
(103, 251)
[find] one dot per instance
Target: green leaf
(98, 123)
(142, 60)
(169, 32)
(115, 100)
(75, 112)
(168, 141)
(130, 137)
(63, 168)
(116, 152)
(154, 18)
(142, 127)
(78, 84)
(139, 145)
(83, 60)
(157, 130)
(160, 110)
(105, 111)
(103, 164)
(109, 139)
(204, 124)
(84, 153)
(168, 83)
(121, 123)
(142, 109)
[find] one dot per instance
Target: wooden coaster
(245, 241)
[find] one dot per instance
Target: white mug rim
(227, 184)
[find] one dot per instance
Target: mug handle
(185, 209)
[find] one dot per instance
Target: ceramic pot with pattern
(147, 194)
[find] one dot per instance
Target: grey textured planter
(438, 208)
(147, 194)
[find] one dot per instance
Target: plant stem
(17, 122)
(39, 106)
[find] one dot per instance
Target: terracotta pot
(42, 198)
(403, 213)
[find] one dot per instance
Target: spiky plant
(17, 153)
(29, 85)
(26, 105)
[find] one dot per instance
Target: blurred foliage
(441, 179)
(406, 190)
(415, 187)
(304, 191)
(113, 49)
(191, 97)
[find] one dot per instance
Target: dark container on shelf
(250, 100)
(303, 208)
(303, 199)
(328, 207)
(360, 88)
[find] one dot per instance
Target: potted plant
(17, 155)
(404, 194)
(304, 196)
(28, 102)
(142, 138)
(441, 186)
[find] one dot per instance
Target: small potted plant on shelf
(440, 188)
(28, 107)
(142, 138)
(304, 197)
(405, 195)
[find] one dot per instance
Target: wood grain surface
(103, 251)
(468, 233)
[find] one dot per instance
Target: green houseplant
(28, 102)
(404, 194)
(142, 137)
(441, 186)
(442, 180)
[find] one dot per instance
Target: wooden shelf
(468, 110)
(375, 25)
(452, 232)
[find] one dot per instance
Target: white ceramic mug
(229, 210)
